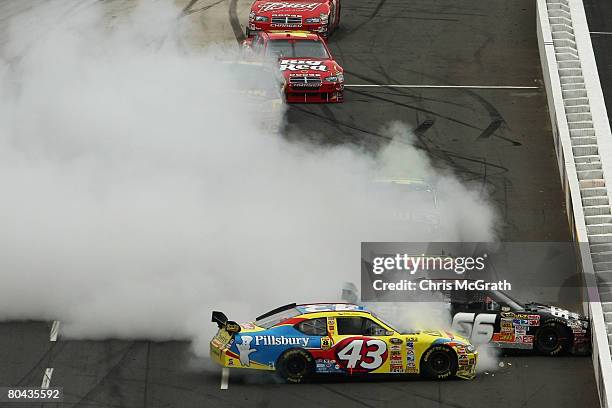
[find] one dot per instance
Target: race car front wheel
(438, 363)
(295, 365)
(551, 339)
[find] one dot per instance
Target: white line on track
(224, 378)
(600, 32)
(54, 330)
(440, 86)
(47, 378)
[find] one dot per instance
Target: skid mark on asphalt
(373, 15)
(65, 14)
(188, 10)
(345, 124)
(404, 105)
(124, 357)
(373, 82)
(55, 346)
(493, 126)
(491, 110)
(437, 152)
(235, 22)
(452, 158)
(424, 126)
(332, 118)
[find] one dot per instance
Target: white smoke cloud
(139, 193)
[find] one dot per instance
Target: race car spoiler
(223, 323)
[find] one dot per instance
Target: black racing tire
(330, 25)
(247, 32)
(552, 339)
(295, 366)
(439, 363)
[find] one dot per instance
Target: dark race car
(485, 315)
(310, 73)
(493, 316)
(316, 16)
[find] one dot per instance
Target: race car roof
(314, 308)
(330, 307)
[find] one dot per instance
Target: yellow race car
(299, 341)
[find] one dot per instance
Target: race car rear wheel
(551, 339)
(295, 365)
(439, 362)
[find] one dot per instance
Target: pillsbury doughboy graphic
(245, 350)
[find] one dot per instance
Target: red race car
(309, 70)
(316, 16)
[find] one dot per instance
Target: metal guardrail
(583, 145)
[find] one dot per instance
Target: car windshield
(297, 49)
(277, 318)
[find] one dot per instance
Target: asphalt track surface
(599, 18)
(498, 139)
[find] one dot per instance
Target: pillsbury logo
(280, 341)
